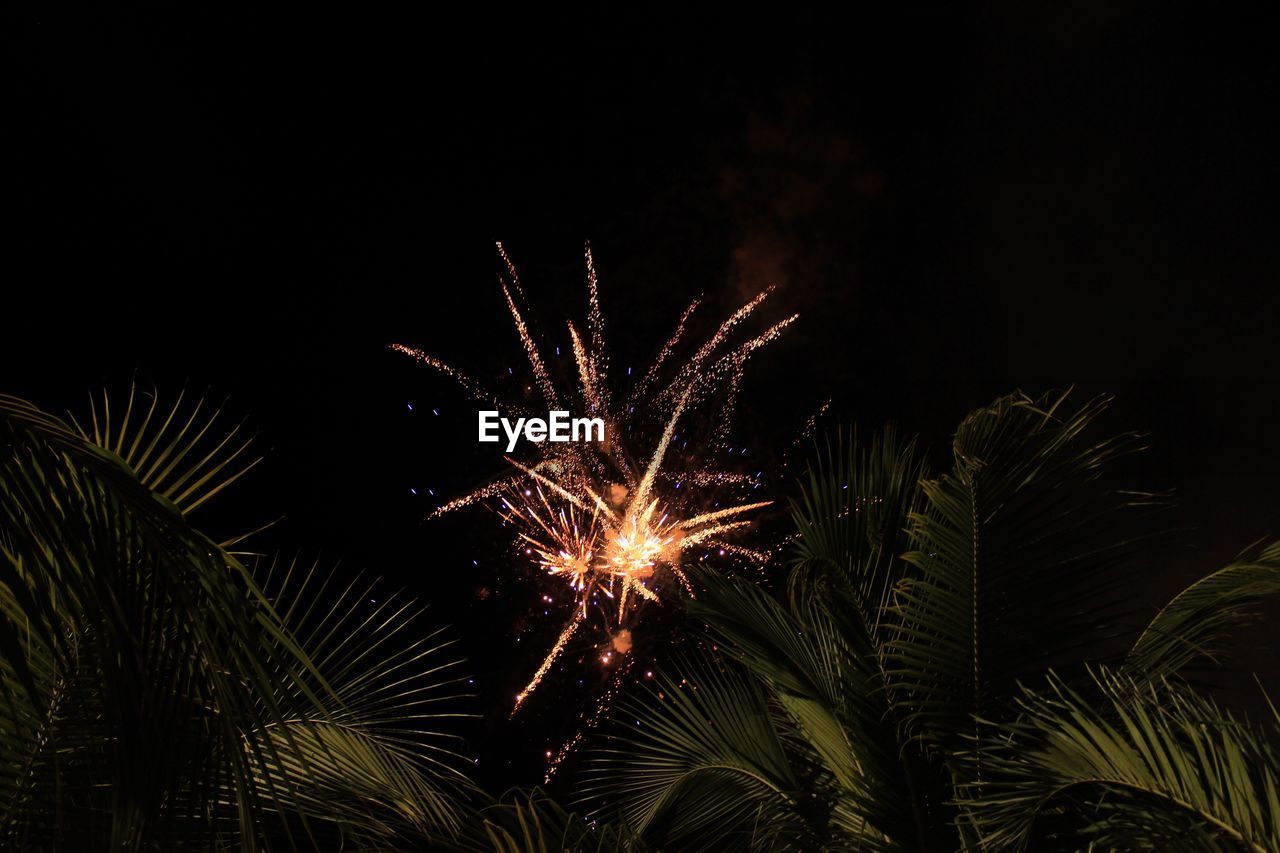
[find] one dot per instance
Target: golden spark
(586, 513)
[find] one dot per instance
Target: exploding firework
(615, 530)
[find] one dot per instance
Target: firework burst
(615, 530)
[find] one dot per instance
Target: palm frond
(1018, 550)
(180, 451)
(1156, 767)
(378, 760)
(135, 653)
(699, 763)
(153, 696)
(1196, 625)
(852, 514)
(532, 822)
(820, 653)
(832, 690)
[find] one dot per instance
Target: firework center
(558, 426)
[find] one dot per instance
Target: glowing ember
(568, 632)
(564, 540)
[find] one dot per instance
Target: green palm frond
(1155, 767)
(380, 755)
(822, 652)
(180, 451)
(852, 513)
(1018, 551)
(700, 763)
(818, 659)
(1196, 625)
(531, 822)
(135, 653)
(153, 696)
(837, 702)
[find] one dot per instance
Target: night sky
(960, 201)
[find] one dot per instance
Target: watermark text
(558, 426)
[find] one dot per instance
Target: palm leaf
(135, 652)
(1156, 767)
(820, 654)
(1197, 624)
(531, 822)
(151, 694)
(699, 763)
(1018, 551)
(378, 760)
(837, 702)
(179, 451)
(851, 518)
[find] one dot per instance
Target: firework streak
(613, 520)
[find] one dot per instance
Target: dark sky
(959, 200)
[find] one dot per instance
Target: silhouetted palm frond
(700, 762)
(1196, 624)
(1152, 766)
(1019, 550)
(378, 761)
(531, 822)
(152, 695)
(179, 451)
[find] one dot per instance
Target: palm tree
(934, 675)
(157, 692)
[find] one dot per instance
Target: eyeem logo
(557, 427)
